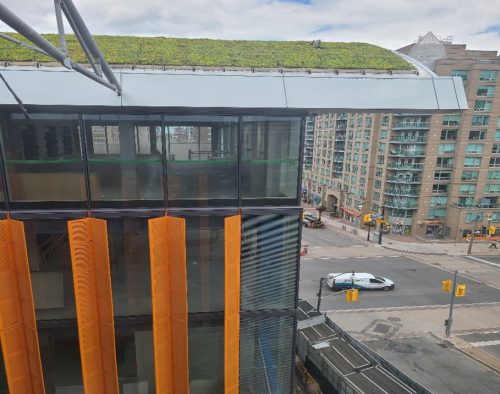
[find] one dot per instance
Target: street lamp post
(473, 234)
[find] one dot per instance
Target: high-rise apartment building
(434, 175)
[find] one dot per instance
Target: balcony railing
(401, 204)
(411, 125)
(404, 139)
(401, 192)
(404, 166)
(412, 153)
(395, 179)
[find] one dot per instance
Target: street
(406, 325)
(416, 283)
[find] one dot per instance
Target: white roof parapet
(321, 92)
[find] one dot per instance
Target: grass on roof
(219, 53)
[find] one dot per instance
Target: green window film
(467, 188)
(488, 75)
(482, 106)
(451, 120)
(493, 175)
(437, 201)
(470, 175)
(475, 148)
(460, 73)
(446, 148)
(437, 213)
(488, 91)
(472, 162)
(474, 216)
(492, 188)
(480, 120)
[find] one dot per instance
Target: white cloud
(388, 23)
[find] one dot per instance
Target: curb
(414, 252)
(482, 357)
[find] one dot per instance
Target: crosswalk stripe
(485, 343)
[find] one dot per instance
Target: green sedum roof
(164, 51)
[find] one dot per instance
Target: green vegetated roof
(165, 51)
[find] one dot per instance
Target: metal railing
(404, 166)
(411, 125)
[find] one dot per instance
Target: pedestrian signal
(492, 230)
(351, 295)
(446, 285)
(460, 292)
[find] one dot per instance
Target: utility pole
(473, 234)
(448, 322)
(381, 226)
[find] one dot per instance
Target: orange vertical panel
(232, 253)
(18, 333)
(167, 243)
(88, 239)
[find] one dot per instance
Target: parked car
(312, 221)
(358, 280)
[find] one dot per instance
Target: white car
(358, 280)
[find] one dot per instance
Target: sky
(388, 23)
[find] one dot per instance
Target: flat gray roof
(319, 92)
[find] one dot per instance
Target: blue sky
(388, 23)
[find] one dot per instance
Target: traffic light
(446, 285)
(460, 292)
(351, 295)
(367, 219)
(492, 230)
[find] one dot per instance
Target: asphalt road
(416, 284)
(323, 237)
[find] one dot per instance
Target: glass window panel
(60, 354)
(43, 158)
(202, 163)
(266, 354)
(270, 159)
(134, 357)
(50, 267)
(125, 159)
(205, 263)
(129, 264)
(206, 356)
(269, 261)
(3, 377)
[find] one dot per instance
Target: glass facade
(127, 169)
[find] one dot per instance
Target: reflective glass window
(269, 261)
(270, 160)
(205, 263)
(134, 356)
(202, 160)
(53, 295)
(206, 356)
(130, 267)
(125, 160)
(266, 354)
(43, 160)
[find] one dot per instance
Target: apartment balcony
(411, 125)
(395, 179)
(408, 140)
(401, 204)
(444, 165)
(340, 128)
(406, 153)
(339, 150)
(401, 192)
(338, 159)
(342, 117)
(405, 166)
(340, 138)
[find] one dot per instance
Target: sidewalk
(408, 244)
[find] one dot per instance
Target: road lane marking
(485, 343)
(482, 261)
(416, 307)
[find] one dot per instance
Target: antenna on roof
(87, 42)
